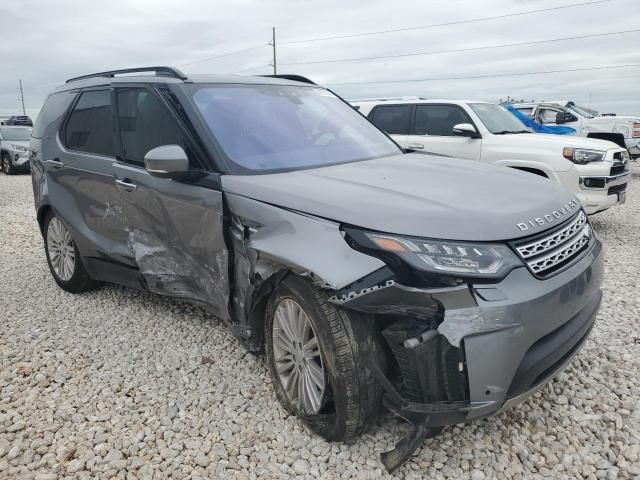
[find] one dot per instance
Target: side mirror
(166, 161)
(465, 130)
(564, 117)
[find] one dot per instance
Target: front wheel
(7, 167)
(63, 257)
(317, 354)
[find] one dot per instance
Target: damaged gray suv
(442, 290)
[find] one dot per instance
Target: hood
(24, 143)
(418, 195)
(560, 141)
(624, 118)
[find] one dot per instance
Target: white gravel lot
(120, 384)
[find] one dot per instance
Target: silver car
(14, 149)
(370, 276)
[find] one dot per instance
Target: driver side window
(145, 123)
(439, 120)
(548, 115)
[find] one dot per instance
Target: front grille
(620, 164)
(617, 189)
(550, 252)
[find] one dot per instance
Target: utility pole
(273, 44)
(24, 112)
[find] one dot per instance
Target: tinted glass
(55, 106)
(393, 119)
(438, 119)
(145, 123)
(90, 125)
(279, 127)
(497, 119)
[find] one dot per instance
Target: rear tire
(63, 257)
(348, 342)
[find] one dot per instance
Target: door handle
(415, 146)
(125, 185)
(55, 163)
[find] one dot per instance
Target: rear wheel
(317, 356)
(63, 257)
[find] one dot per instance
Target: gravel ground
(120, 384)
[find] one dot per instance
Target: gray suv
(444, 290)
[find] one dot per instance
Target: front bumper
(19, 160)
(510, 338)
(597, 193)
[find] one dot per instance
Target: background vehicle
(622, 130)
(187, 187)
(21, 120)
(596, 171)
(14, 149)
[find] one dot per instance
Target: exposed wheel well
(42, 214)
(616, 138)
(535, 171)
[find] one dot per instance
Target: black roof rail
(159, 71)
(295, 78)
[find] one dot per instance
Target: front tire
(320, 352)
(6, 164)
(63, 257)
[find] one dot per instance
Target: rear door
(80, 182)
(394, 120)
(432, 131)
(175, 227)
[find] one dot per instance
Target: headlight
(626, 157)
(19, 148)
(460, 259)
(583, 155)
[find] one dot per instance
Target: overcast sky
(46, 42)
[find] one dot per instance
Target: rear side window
(90, 125)
(55, 107)
(145, 123)
(439, 120)
(393, 119)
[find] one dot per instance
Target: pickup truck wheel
(317, 355)
(7, 167)
(63, 257)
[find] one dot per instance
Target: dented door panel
(175, 234)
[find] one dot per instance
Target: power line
(482, 19)
(493, 75)
(225, 55)
(400, 55)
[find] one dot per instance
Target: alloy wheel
(297, 357)
(61, 249)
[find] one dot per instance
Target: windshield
(277, 127)
(585, 112)
(16, 134)
(497, 119)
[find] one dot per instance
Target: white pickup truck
(624, 130)
(596, 171)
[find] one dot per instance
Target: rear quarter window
(54, 108)
(90, 126)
